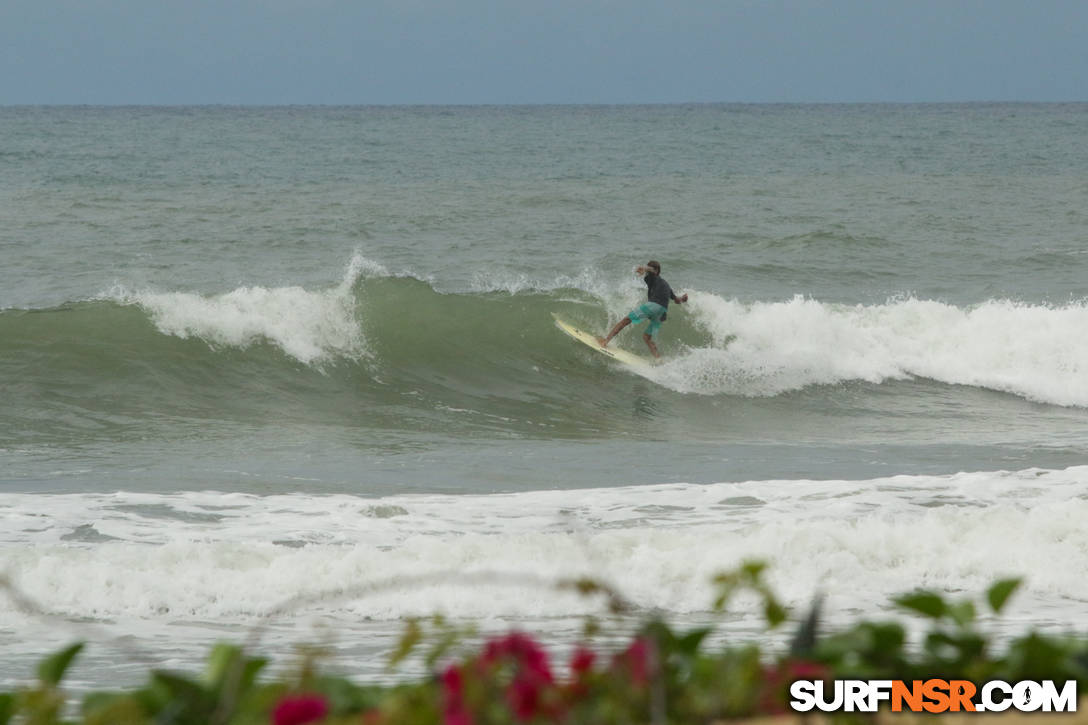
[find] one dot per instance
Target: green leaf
(446, 641)
(929, 604)
(774, 612)
(180, 687)
(689, 644)
(749, 576)
(346, 697)
(1040, 657)
(941, 645)
(7, 708)
(753, 570)
(220, 661)
(250, 670)
(51, 670)
(413, 635)
(93, 701)
(998, 594)
(962, 613)
(884, 637)
(182, 700)
(109, 708)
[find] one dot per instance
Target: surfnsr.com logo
(932, 696)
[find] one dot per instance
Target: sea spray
(311, 326)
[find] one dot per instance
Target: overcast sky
(540, 51)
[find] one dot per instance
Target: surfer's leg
(640, 313)
(650, 336)
(615, 331)
(650, 344)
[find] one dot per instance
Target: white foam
(311, 326)
(231, 557)
(1035, 351)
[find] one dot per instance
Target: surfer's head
(654, 267)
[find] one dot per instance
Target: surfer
(654, 309)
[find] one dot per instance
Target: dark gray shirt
(658, 290)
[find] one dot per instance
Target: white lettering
(1027, 696)
(994, 696)
(803, 693)
(879, 690)
(835, 703)
(855, 696)
(990, 703)
(1064, 701)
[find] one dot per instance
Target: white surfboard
(621, 356)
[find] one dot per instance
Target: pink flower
(524, 650)
(453, 686)
(300, 709)
(637, 660)
(524, 697)
(453, 682)
(528, 693)
(581, 661)
(581, 664)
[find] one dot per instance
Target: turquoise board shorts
(648, 311)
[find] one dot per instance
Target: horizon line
(529, 104)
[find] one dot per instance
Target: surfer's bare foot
(602, 342)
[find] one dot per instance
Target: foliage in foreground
(660, 675)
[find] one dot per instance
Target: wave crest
(311, 327)
(501, 344)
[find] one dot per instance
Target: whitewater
(348, 570)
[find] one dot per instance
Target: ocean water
(306, 355)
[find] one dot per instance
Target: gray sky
(540, 51)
